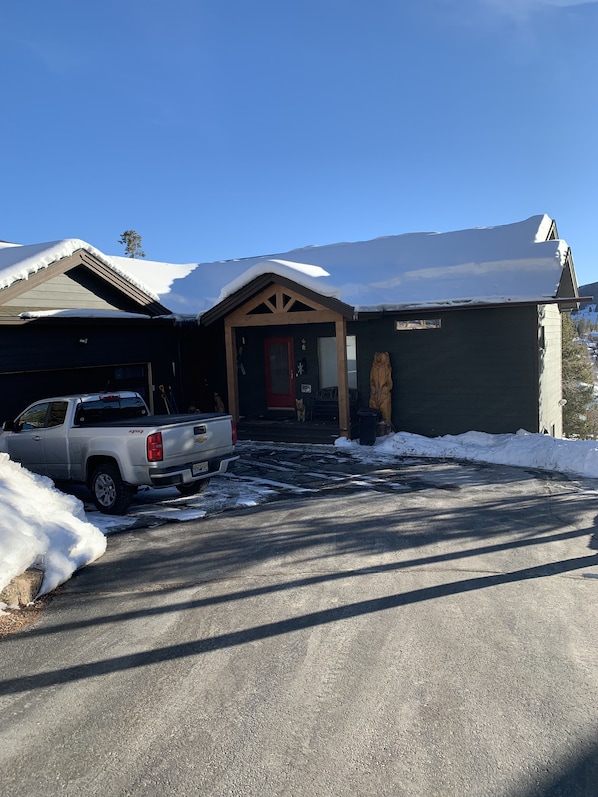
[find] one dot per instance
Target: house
(470, 320)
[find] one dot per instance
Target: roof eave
(566, 303)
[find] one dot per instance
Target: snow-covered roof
(19, 262)
(81, 313)
(507, 263)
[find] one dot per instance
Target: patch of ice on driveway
(173, 513)
(333, 477)
(374, 482)
(168, 504)
(283, 485)
(108, 524)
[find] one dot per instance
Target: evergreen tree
(131, 240)
(579, 416)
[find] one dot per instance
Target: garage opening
(22, 388)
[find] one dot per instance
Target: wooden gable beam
(245, 294)
(232, 380)
(122, 284)
(279, 301)
(343, 377)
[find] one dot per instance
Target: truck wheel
(110, 494)
(193, 488)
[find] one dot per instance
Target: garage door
(17, 390)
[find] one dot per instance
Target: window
(109, 408)
(328, 364)
(57, 413)
(34, 417)
(418, 324)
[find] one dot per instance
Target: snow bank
(41, 526)
(576, 457)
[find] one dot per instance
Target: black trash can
(368, 421)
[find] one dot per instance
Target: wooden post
(343, 378)
(231, 370)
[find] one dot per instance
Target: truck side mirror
(8, 426)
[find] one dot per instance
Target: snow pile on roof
(19, 262)
(158, 276)
(43, 527)
(485, 265)
(80, 313)
(303, 273)
(512, 262)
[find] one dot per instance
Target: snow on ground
(41, 526)
(167, 505)
(575, 457)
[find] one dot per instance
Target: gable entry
(282, 303)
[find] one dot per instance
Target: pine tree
(131, 240)
(579, 416)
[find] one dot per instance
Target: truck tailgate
(198, 438)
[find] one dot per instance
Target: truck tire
(110, 494)
(193, 487)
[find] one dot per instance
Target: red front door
(280, 373)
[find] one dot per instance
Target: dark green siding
(478, 372)
(43, 358)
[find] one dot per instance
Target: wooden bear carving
(381, 386)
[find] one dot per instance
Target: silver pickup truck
(111, 443)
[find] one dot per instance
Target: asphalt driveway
(406, 628)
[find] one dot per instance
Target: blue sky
(225, 128)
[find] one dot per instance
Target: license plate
(199, 467)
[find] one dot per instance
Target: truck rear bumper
(183, 474)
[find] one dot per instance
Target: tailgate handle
(199, 430)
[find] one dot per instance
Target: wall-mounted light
(82, 341)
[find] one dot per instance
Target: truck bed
(145, 421)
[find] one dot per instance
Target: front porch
(273, 331)
(288, 430)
